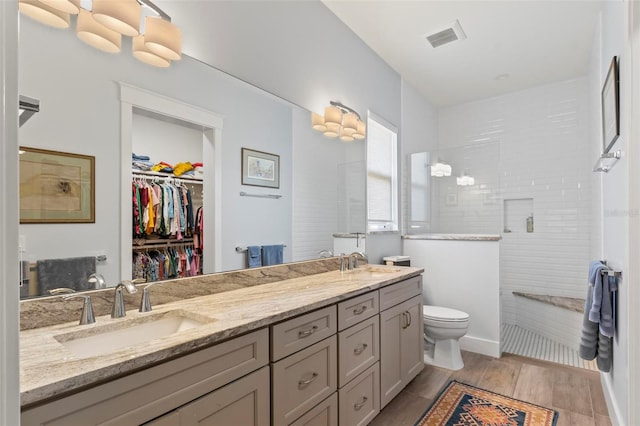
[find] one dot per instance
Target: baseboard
(612, 405)
(481, 346)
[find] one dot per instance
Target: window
(382, 175)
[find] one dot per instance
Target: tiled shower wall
(544, 156)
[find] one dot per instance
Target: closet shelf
(607, 161)
(147, 174)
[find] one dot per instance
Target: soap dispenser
(530, 223)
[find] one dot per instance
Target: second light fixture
(339, 121)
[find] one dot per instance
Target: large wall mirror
(79, 88)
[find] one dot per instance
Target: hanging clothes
(162, 210)
(166, 263)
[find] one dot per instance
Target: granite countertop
(49, 370)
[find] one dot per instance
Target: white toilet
(442, 329)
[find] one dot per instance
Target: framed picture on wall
(611, 107)
(260, 168)
(56, 187)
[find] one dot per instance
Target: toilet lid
(443, 314)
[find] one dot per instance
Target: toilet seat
(442, 314)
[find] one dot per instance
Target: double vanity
(323, 349)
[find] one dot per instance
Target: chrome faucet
(97, 281)
(118, 310)
(87, 316)
(355, 255)
(325, 253)
(145, 300)
(344, 262)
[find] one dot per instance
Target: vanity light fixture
(44, 13)
(101, 24)
(339, 121)
(465, 180)
(440, 169)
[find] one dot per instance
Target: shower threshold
(519, 341)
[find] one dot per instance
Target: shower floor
(519, 341)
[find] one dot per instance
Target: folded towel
(140, 157)
(254, 258)
(272, 255)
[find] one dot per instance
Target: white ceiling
(533, 41)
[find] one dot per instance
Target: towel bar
(246, 194)
(243, 249)
(611, 272)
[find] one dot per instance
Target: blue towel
(272, 255)
(254, 258)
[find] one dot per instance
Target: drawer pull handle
(360, 310)
(303, 383)
(307, 333)
(359, 405)
(360, 348)
(410, 319)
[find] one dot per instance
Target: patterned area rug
(464, 405)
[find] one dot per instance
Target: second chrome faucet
(118, 310)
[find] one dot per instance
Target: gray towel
(594, 341)
(24, 275)
(71, 272)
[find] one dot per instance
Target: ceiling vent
(452, 33)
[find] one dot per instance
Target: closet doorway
(140, 109)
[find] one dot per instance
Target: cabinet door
(412, 351)
(243, 402)
(401, 347)
(391, 323)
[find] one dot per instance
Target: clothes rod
(243, 249)
(275, 196)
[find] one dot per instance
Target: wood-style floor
(574, 392)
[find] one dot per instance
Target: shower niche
(518, 215)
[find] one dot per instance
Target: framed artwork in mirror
(56, 187)
(611, 107)
(260, 168)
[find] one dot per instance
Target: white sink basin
(97, 341)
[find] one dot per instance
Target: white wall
(9, 290)
(418, 133)
(315, 188)
(611, 40)
(543, 154)
(463, 275)
(79, 99)
(171, 142)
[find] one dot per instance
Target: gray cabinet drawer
(352, 311)
(323, 414)
(359, 401)
(396, 293)
(302, 380)
(297, 333)
(358, 349)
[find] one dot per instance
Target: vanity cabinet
(157, 391)
(337, 365)
(401, 341)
